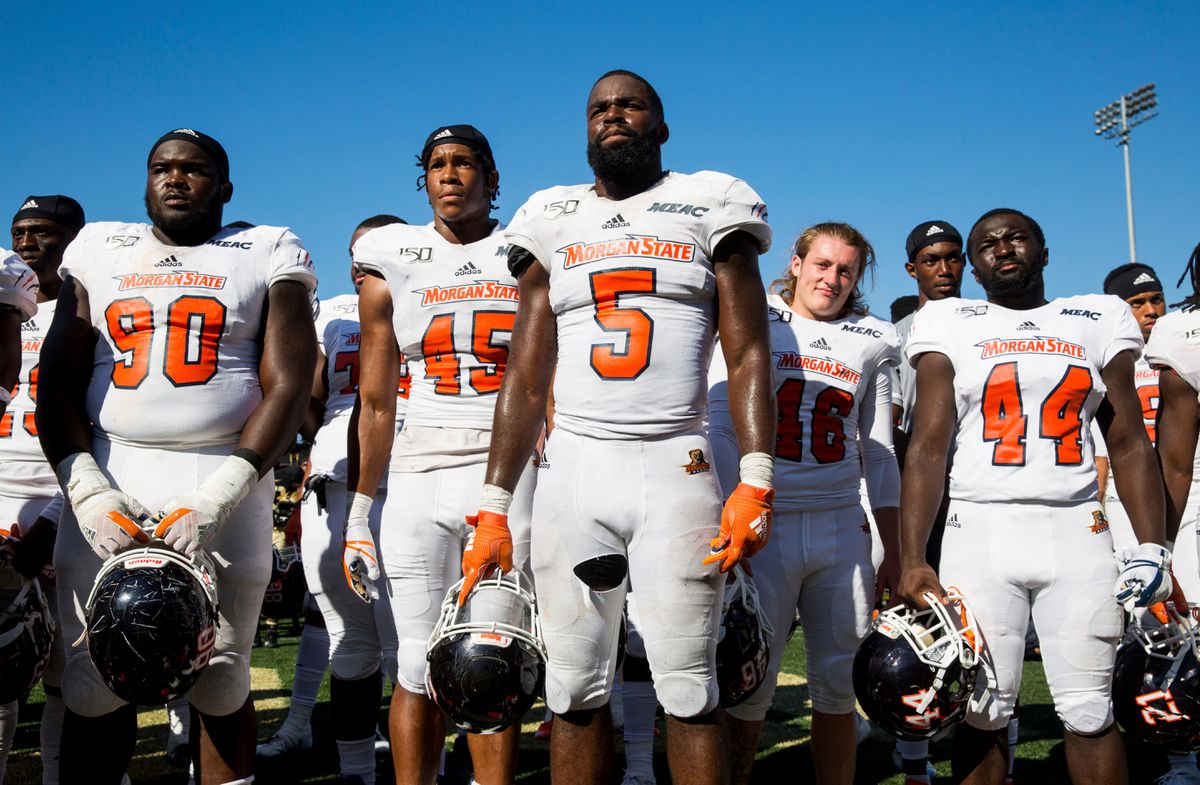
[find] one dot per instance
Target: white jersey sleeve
(453, 311)
(632, 289)
(24, 472)
(178, 327)
(829, 378)
(1027, 384)
(1175, 344)
(18, 285)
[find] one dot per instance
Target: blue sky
(882, 115)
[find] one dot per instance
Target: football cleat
(286, 739)
(1156, 680)
(26, 634)
(152, 623)
(915, 672)
(487, 662)
(742, 650)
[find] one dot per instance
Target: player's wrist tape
(231, 482)
(360, 506)
(5, 396)
(80, 477)
(757, 469)
(495, 499)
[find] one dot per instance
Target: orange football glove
(745, 525)
(489, 545)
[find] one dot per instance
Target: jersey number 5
(634, 324)
(193, 333)
(1005, 423)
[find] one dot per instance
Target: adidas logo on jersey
(821, 344)
(468, 269)
(1141, 279)
(616, 222)
(170, 261)
(1028, 326)
(952, 522)
(30, 205)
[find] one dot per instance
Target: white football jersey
(453, 309)
(632, 287)
(1175, 344)
(177, 350)
(338, 334)
(1027, 385)
(24, 471)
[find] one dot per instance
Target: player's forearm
(516, 425)
(752, 401)
(371, 433)
(314, 418)
(1136, 477)
(887, 523)
(1176, 484)
(920, 497)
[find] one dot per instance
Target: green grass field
(784, 755)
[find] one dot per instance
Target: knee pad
(1084, 714)
(411, 666)
(603, 573)
(575, 692)
(84, 692)
(830, 686)
(350, 663)
(686, 695)
(755, 708)
(223, 686)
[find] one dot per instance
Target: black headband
(1138, 279)
(211, 147)
(468, 135)
(930, 233)
(61, 209)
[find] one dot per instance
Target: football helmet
(284, 597)
(487, 662)
(742, 649)
(1156, 681)
(152, 623)
(915, 671)
(26, 634)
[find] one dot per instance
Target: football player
(935, 261)
(359, 635)
(441, 293)
(624, 282)
(833, 363)
(41, 230)
(18, 303)
(173, 377)
(1174, 350)
(1014, 381)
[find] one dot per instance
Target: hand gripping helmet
(284, 598)
(1156, 682)
(742, 650)
(26, 634)
(151, 623)
(915, 671)
(487, 662)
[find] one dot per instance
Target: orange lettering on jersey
(998, 347)
(637, 245)
(821, 365)
(32, 345)
(181, 279)
(480, 290)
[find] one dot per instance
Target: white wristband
(495, 499)
(79, 476)
(360, 506)
(230, 483)
(757, 469)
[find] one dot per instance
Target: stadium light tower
(1114, 122)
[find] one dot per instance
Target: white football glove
(188, 522)
(358, 554)
(108, 519)
(1145, 576)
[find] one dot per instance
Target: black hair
(903, 306)
(376, 221)
(1034, 225)
(1124, 269)
(487, 165)
(655, 101)
(1192, 301)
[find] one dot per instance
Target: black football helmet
(487, 662)
(1156, 682)
(26, 634)
(915, 671)
(152, 623)
(284, 597)
(742, 649)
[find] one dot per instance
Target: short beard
(191, 228)
(624, 162)
(1013, 285)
